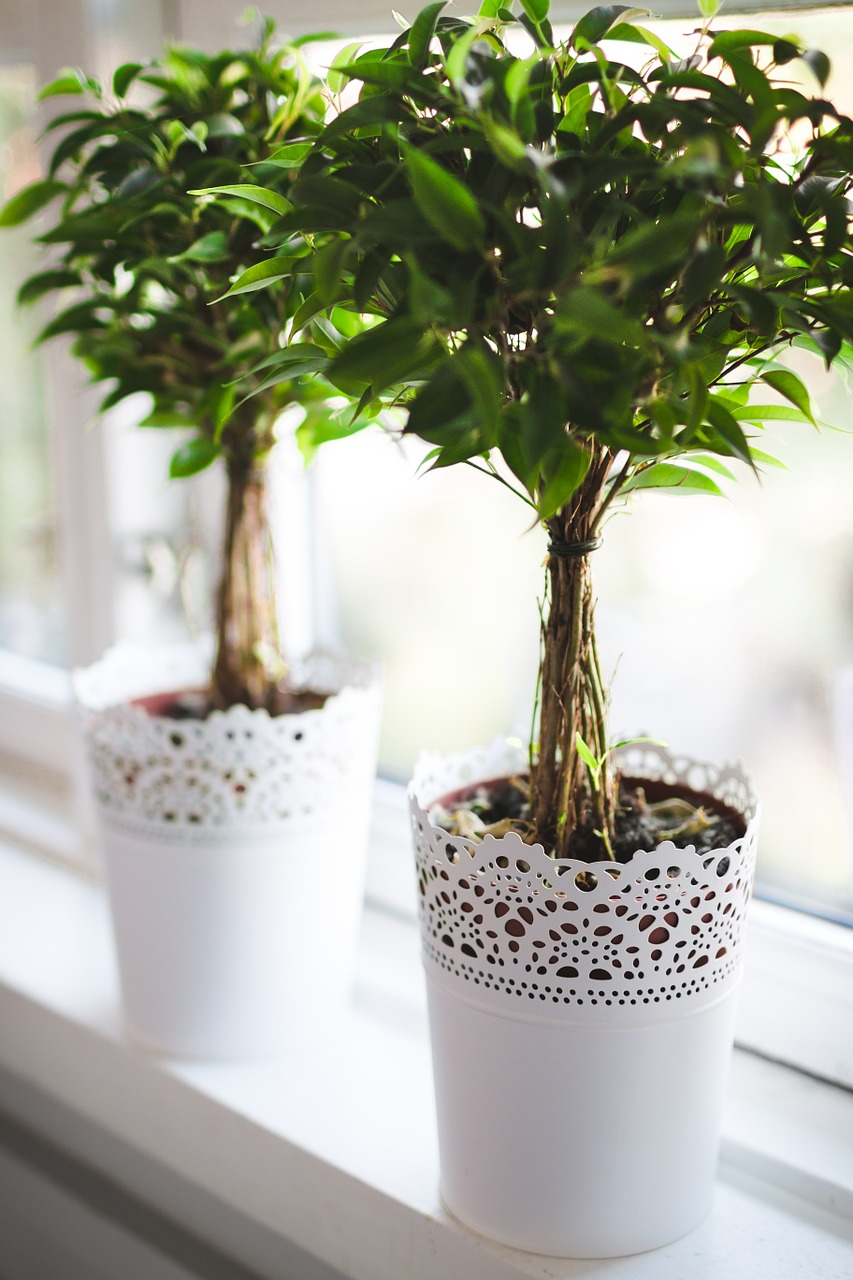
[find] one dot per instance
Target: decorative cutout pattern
(236, 769)
(507, 925)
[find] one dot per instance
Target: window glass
(31, 618)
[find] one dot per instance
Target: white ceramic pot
(581, 1027)
(234, 851)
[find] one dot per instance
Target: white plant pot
(234, 850)
(580, 1036)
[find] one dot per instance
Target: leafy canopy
(586, 245)
(137, 260)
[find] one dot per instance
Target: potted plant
(233, 797)
(580, 261)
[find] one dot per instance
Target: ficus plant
(135, 261)
(579, 261)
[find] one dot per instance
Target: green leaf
(728, 428)
(536, 10)
(703, 273)
(67, 82)
(445, 202)
(652, 248)
(769, 413)
(376, 356)
(124, 77)
(506, 144)
(670, 476)
(363, 114)
(792, 388)
(194, 456)
(734, 41)
(457, 58)
(587, 313)
(45, 282)
(222, 124)
(290, 155)
(212, 247)
(483, 374)
(320, 426)
(588, 758)
(327, 264)
(634, 34)
(247, 191)
(374, 71)
(29, 200)
(562, 472)
(597, 23)
(334, 76)
(422, 31)
(819, 64)
(259, 277)
(168, 418)
(79, 318)
(767, 460)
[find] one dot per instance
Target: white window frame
(797, 1003)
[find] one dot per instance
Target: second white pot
(234, 851)
(581, 1020)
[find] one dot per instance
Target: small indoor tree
(580, 260)
(137, 260)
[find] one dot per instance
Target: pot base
(578, 1141)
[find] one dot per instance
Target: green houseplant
(136, 261)
(209, 826)
(580, 261)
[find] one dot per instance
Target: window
(30, 607)
(735, 619)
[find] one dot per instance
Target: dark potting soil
(644, 817)
(195, 704)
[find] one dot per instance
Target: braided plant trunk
(573, 701)
(248, 667)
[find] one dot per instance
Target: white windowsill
(334, 1149)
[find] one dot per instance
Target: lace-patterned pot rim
(511, 929)
(237, 770)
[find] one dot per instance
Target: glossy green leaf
(671, 477)
(445, 202)
(422, 31)
(819, 64)
(212, 247)
(168, 419)
(68, 82)
(192, 457)
(536, 10)
(45, 282)
(377, 354)
(292, 154)
(320, 426)
(769, 413)
(271, 200)
(792, 387)
(259, 277)
(727, 42)
(727, 426)
(79, 318)
(29, 200)
(598, 23)
(588, 758)
(335, 77)
(562, 473)
(124, 76)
